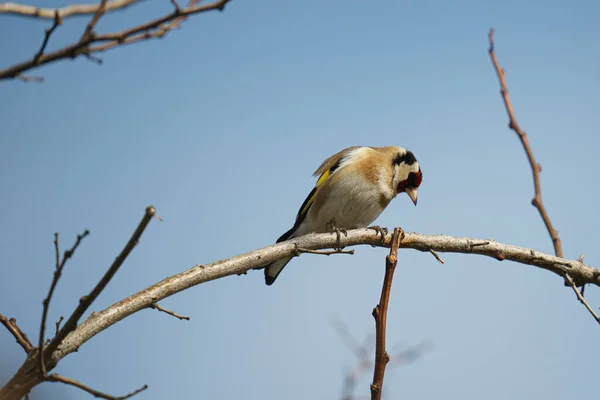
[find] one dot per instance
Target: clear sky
(220, 126)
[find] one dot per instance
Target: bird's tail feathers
(273, 270)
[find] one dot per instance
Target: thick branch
(97, 322)
(380, 314)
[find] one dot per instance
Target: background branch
(148, 30)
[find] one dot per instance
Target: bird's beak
(412, 193)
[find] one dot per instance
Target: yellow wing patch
(311, 197)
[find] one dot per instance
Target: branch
(153, 29)
(380, 315)
(86, 301)
(22, 381)
(65, 12)
(18, 334)
(535, 167)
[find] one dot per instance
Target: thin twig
(18, 334)
(380, 315)
(155, 306)
(436, 255)
(535, 167)
(59, 265)
(324, 252)
(93, 392)
(58, 324)
(47, 33)
(582, 299)
(86, 301)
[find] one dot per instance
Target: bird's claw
(379, 231)
(332, 227)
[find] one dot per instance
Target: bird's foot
(333, 228)
(379, 231)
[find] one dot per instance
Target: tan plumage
(355, 185)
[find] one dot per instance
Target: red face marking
(414, 180)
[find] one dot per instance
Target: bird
(354, 186)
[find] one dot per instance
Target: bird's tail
(273, 270)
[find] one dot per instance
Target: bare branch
(65, 12)
(155, 306)
(57, 273)
(58, 324)
(153, 29)
(380, 315)
(86, 301)
(93, 392)
(18, 334)
(22, 381)
(535, 167)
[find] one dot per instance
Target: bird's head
(407, 176)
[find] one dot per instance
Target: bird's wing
(326, 169)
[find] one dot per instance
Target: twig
(437, 257)
(93, 392)
(380, 315)
(582, 299)
(324, 252)
(47, 33)
(90, 26)
(58, 324)
(535, 167)
(18, 334)
(27, 78)
(152, 29)
(86, 301)
(155, 306)
(57, 273)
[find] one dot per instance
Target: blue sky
(220, 126)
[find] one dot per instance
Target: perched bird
(354, 187)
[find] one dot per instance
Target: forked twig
(59, 265)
